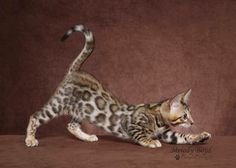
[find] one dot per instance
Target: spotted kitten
(82, 97)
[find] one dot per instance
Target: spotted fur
(82, 97)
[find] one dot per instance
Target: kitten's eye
(185, 116)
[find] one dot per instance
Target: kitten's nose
(192, 123)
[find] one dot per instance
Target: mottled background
(145, 51)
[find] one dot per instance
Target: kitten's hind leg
(51, 110)
(30, 139)
(74, 128)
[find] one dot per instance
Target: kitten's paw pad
(31, 142)
(92, 138)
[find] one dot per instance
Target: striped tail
(88, 47)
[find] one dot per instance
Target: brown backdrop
(145, 51)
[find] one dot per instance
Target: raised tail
(88, 47)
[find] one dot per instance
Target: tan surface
(112, 153)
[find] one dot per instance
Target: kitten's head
(179, 112)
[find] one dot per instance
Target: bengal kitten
(82, 97)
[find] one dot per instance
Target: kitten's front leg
(169, 136)
(143, 137)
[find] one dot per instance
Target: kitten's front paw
(202, 138)
(152, 144)
(31, 142)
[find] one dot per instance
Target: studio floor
(67, 151)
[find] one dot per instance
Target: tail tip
(64, 37)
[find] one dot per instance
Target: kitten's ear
(186, 96)
(175, 102)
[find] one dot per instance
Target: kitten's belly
(97, 105)
(111, 123)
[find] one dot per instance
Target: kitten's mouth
(185, 125)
